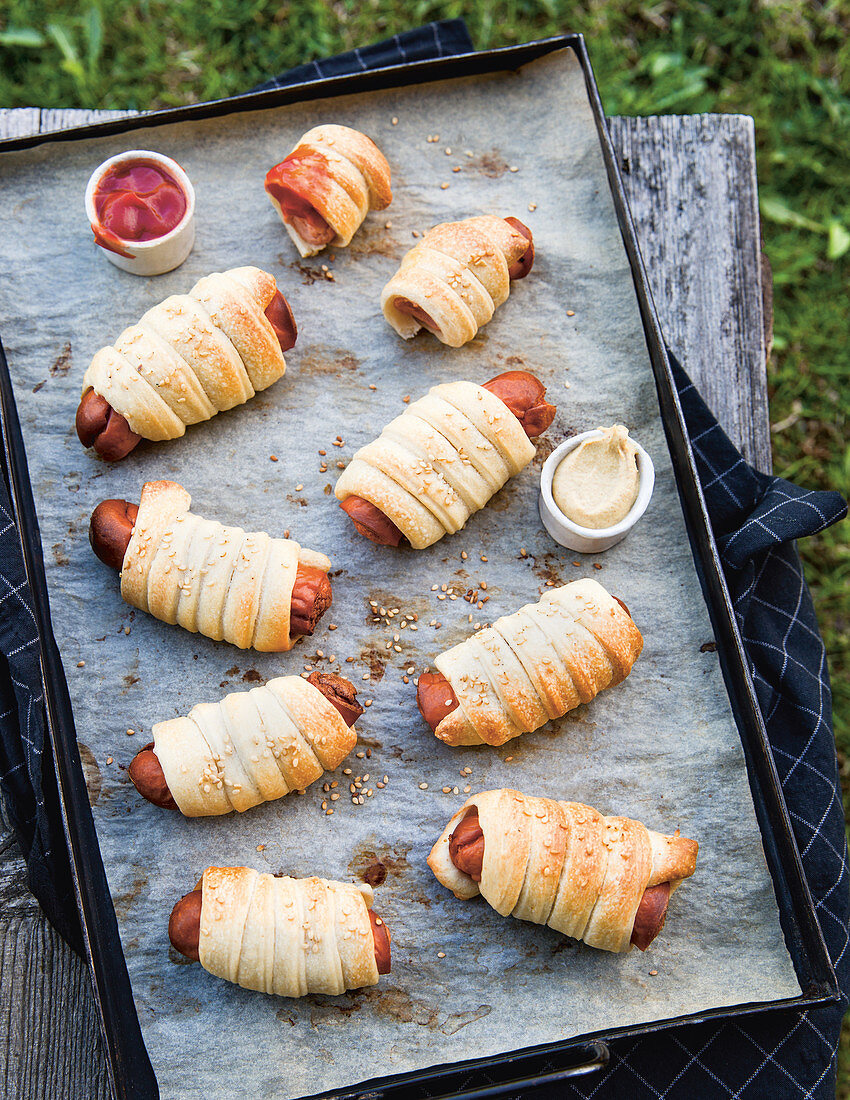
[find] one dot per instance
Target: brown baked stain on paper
(324, 360)
(91, 773)
(373, 863)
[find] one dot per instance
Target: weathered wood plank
(691, 185)
(48, 1019)
(19, 122)
(63, 118)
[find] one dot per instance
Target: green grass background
(786, 63)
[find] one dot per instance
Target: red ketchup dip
(136, 200)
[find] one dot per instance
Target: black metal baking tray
(130, 1069)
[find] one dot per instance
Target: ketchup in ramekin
(141, 208)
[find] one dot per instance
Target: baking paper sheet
(662, 747)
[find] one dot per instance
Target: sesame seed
(394, 120)
(372, 386)
(109, 760)
(532, 206)
(423, 786)
(273, 458)
(81, 664)
(131, 733)
(441, 954)
(571, 313)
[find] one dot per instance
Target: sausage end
(184, 925)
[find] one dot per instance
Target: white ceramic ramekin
(163, 253)
(589, 540)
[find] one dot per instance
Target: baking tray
(130, 1068)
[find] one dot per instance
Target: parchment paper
(662, 747)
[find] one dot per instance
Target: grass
(784, 62)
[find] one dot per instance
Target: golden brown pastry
(443, 458)
(285, 936)
(190, 357)
(251, 747)
(223, 582)
(530, 667)
(453, 280)
(326, 186)
(604, 880)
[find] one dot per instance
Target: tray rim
(129, 1073)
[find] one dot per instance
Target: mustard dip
(597, 484)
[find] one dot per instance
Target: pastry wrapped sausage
(443, 458)
(241, 587)
(603, 880)
(251, 747)
(327, 185)
(190, 357)
(285, 936)
(530, 667)
(453, 280)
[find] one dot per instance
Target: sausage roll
(286, 936)
(223, 582)
(327, 185)
(251, 747)
(530, 667)
(453, 280)
(443, 459)
(604, 880)
(190, 357)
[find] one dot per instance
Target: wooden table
(691, 182)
